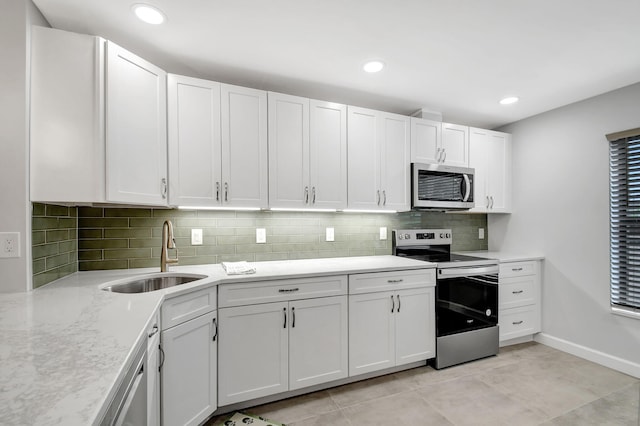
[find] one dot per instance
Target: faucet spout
(168, 242)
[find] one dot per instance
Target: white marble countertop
(503, 256)
(64, 347)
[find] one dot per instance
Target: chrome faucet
(168, 242)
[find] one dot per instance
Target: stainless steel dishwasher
(129, 405)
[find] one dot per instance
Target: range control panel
(416, 237)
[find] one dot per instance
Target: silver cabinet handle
(393, 304)
(226, 192)
(378, 197)
(215, 328)
(161, 358)
(487, 197)
(217, 191)
(288, 290)
(395, 281)
(384, 198)
(154, 330)
(438, 153)
(164, 188)
(293, 317)
(313, 195)
(284, 311)
(516, 269)
(491, 201)
(398, 296)
(517, 291)
(306, 195)
(444, 157)
(517, 322)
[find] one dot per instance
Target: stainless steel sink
(152, 283)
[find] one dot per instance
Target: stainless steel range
(466, 295)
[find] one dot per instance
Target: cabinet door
(478, 160)
(136, 133)
(499, 171)
(153, 375)
(328, 155)
(317, 341)
(253, 352)
(415, 325)
(426, 139)
(363, 167)
(395, 162)
(288, 151)
(244, 147)
(371, 332)
(194, 141)
(189, 371)
(455, 144)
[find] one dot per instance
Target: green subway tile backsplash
(116, 238)
(54, 242)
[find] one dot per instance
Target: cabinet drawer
(517, 269)
(517, 291)
(385, 281)
(281, 290)
(188, 306)
(518, 322)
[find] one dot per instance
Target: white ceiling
(458, 57)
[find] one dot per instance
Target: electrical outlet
(9, 244)
(196, 237)
(383, 232)
(330, 236)
(261, 235)
(481, 233)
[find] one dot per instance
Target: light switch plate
(9, 244)
(383, 232)
(261, 235)
(330, 236)
(481, 233)
(196, 237)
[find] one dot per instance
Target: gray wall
(561, 196)
(15, 21)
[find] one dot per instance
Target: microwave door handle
(467, 186)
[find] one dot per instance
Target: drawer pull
(395, 281)
(517, 291)
(288, 290)
(517, 322)
(517, 269)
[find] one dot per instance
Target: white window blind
(624, 213)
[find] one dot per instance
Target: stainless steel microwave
(439, 187)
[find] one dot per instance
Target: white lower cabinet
(519, 312)
(276, 347)
(390, 328)
(188, 360)
(153, 373)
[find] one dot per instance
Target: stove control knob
(400, 236)
(406, 236)
(442, 235)
(448, 235)
(488, 312)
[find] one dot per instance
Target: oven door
(466, 299)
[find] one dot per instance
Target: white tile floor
(527, 384)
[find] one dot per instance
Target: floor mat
(241, 419)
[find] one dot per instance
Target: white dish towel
(238, 268)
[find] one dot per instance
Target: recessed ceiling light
(148, 14)
(509, 100)
(373, 66)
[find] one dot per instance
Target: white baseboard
(619, 364)
(516, 341)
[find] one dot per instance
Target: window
(624, 218)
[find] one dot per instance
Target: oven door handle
(468, 271)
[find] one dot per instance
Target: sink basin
(152, 283)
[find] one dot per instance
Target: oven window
(466, 303)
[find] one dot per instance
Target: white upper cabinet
(98, 122)
(307, 153)
(490, 156)
(136, 125)
(379, 160)
(436, 142)
(217, 144)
